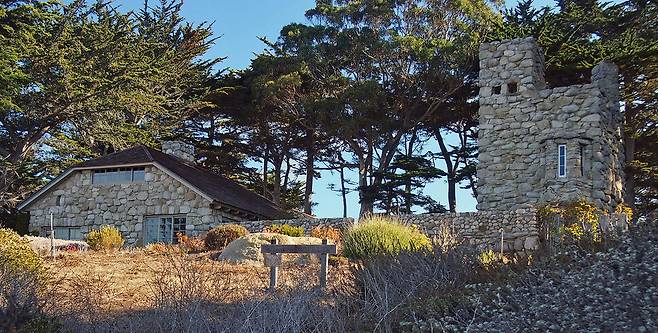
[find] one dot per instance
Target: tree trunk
(276, 190)
(266, 157)
(23, 148)
(342, 190)
(310, 170)
(365, 198)
(450, 170)
(407, 187)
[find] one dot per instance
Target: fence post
(324, 265)
(52, 236)
(274, 270)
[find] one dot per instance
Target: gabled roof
(214, 187)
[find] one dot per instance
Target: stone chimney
(179, 149)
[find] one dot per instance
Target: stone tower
(540, 144)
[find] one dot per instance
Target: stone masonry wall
(124, 206)
(522, 122)
(519, 228)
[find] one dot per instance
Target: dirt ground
(133, 279)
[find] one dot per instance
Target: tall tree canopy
(79, 80)
(384, 88)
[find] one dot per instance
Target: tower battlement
(539, 144)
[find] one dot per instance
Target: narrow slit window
(562, 161)
(582, 161)
(512, 88)
(496, 90)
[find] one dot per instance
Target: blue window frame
(163, 229)
(562, 161)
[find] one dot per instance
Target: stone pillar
(605, 76)
(179, 149)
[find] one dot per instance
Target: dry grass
(126, 279)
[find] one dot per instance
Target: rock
(41, 245)
(246, 250)
(531, 243)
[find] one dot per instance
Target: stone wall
(522, 122)
(307, 223)
(520, 229)
(89, 206)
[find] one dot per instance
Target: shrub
(286, 229)
(106, 238)
(163, 249)
(218, 237)
(16, 253)
(331, 233)
(382, 235)
(387, 290)
(572, 224)
(490, 259)
(191, 244)
(22, 282)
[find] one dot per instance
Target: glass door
(163, 229)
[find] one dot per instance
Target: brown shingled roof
(219, 188)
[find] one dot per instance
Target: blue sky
(239, 24)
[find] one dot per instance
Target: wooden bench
(272, 253)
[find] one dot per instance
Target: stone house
(539, 144)
(150, 195)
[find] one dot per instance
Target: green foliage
(624, 209)
(88, 79)
(16, 254)
(106, 238)
(572, 223)
(218, 237)
(285, 229)
(490, 258)
(403, 182)
(378, 235)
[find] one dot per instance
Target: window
(562, 161)
(59, 201)
(582, 160)
(512, 88)
(496, 90)
(118, 175)
(68, 233)
(163, 229)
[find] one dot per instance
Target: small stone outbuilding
(150, 195)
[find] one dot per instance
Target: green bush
(16, 253)
(218, 237)
(382, 235)
(106, 238)
(23, 282)
(286, 229)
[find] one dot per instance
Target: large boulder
(41, 245)
(247, 250)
